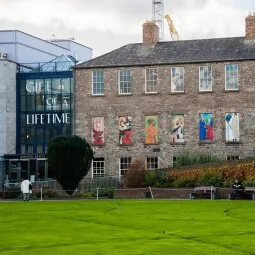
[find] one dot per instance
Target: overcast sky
(105, 25)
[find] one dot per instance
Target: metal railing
(45, 67)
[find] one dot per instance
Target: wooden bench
(203, 192)
(247, 193)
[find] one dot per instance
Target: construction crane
(158, 16)
(173, 31)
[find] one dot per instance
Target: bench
(247, 193)
(203, 192)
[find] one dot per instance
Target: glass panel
(30, 103)
(23, 103)
(30, 87)
(49, 102)
(65, 85)
(66, 102)
(14, 171)
(39, 135)
(32, 167)
(56, 86)
(24, 170)
(41, 170)
(39, 99)
(30, 135)
(47, 89)
(23, 87)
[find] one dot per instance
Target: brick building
(154, 100)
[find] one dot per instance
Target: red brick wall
(150, 33)
(250, 27)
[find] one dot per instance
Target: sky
(105, 25)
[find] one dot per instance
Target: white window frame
(124, 166)
(232, 76)
(154, 81)
(153, 162)
(126, 84)
(181, 70)
(98, 168)
(97, 83)
(205, 78)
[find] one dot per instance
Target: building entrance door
(18, 170)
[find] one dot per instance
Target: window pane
(205, 82)
(152, 163)
(151, 80)
(231, 72)
(125, 164)
(98, 82)
(177, 79)
(124, 81)
(98, 167)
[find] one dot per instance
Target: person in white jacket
(25, 189)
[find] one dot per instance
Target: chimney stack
(150, 33)
(250, 27)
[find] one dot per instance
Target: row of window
(176, 129)
(152, 163)
(177, 80)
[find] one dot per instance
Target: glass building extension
(44, 112)
(44, 107)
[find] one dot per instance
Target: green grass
(127, 227)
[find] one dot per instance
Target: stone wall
(250, 27)
(164, 103)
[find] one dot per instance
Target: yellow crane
(173, 31)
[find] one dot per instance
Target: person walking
(26, 187)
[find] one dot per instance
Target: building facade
(36, 98)
(155, 100)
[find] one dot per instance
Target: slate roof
(174, 52)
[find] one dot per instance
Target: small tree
(69, 160)
(135, 175)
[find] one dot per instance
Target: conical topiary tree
(69, 160)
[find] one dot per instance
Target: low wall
(164, 193)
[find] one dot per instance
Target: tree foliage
(69, 160)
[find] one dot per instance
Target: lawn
(127, 227)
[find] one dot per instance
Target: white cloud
(107, 25)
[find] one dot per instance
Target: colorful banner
(206, 127)
(151, 129)
(177, 128)
(98, 130)
(125, 130)
(232, 127)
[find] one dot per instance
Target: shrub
(84, 194)
(187, 158)
(134, 177)
(150, 178)
(211, 178)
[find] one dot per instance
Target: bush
(135, 176)
(187, 158)
(211, 178)
(109, 193)
(150, 179)
(84, 194)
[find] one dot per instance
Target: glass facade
(44, 110)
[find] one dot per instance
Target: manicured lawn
(125, 227)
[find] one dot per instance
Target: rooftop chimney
(150, 33)
(250, 27)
